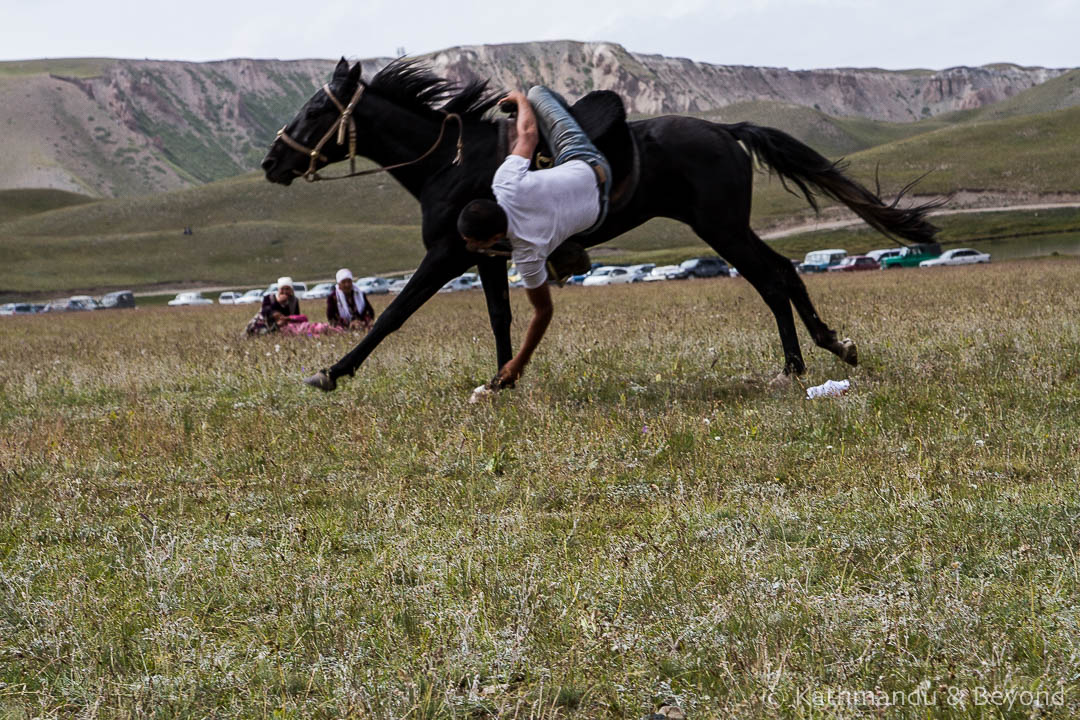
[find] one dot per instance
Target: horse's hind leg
(795, 290)
(775, 279)
(823, 335)
(755, 262)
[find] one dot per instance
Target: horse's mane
(413, 85)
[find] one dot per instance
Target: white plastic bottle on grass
(829, 388)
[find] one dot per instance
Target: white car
(298, 289)
(320, 291)
(608, 275)
(640, 272)
(83, 302)
(190, 298)
(398, 285)
(372, 285)
(666, 272)
(468, 281)
(229, 297)
(957, 256)
(880, 255)
(251, 296)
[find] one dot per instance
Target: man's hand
(510, 372)
(514, 97)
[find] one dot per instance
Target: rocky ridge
(137, 127)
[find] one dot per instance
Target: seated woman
(276, 305)
(348, 308)
(284, 301)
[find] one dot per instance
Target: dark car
(704, 267)
(25, 308)
(853, 263)
(118, 299)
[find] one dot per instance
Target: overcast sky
(784, 33)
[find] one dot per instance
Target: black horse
(692, 170)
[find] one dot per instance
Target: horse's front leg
(497, 294)
(441, 264)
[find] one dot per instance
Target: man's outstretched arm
(542, 311)
(527, 133)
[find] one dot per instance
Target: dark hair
(481, 220)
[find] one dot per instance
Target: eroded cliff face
(138, 127)
(654, 84)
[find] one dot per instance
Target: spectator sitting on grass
(276, 305)
(347, 307)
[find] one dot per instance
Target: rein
(346, 122)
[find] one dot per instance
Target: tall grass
(186, 530)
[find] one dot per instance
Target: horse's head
(314, 133)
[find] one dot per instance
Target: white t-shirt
(543, 208)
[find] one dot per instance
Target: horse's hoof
(322, 381)
(848, 352)
(482, 392)
(782, 380)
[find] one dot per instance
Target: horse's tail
(802, 165)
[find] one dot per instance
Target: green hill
(247, 230)
(829, 135)
(1023, 155)
(15, 204)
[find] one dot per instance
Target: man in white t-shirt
(538, 210)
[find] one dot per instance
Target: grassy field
(185, 530)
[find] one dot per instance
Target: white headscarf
(343, 305)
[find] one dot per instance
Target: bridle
(347, 123)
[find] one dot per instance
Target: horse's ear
(354, 74)
(342, 69)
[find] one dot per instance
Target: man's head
(481, 223)
(345, 280)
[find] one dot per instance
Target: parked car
(190, 298)
(957, 256)
(666, 272)
(468, 281)
(320, 291)
(821, 260)
(880, 255)
(703, 267)
(251, 296)
(608, 275)
(372, 285)
(298, 289)
(72, 304)
(398, 285)
(56, 306)
(853, 263)
(118, 300)
(21, 308)
(640, 272)
(83, 302)
(912, 255)
(229, 297)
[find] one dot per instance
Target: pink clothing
(299, 325)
